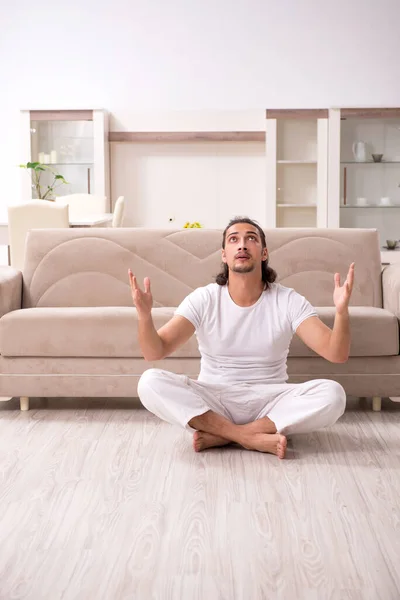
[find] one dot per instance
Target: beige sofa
(68, 328)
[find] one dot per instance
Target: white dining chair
(119, 210)
(82, 205)
(34, 214)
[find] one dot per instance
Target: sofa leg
(376, 403)
(24, 402)
(363, 403)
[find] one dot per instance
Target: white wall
(182, 54)
(209, 182)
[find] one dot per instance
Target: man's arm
(332, 344)
(157, 345)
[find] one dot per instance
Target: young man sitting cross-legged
(244, 324)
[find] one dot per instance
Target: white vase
(360, 151)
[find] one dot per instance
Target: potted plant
(44, 192)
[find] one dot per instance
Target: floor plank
(101, 500)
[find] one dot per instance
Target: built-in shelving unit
(296, 149)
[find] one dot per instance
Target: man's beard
(243, 268)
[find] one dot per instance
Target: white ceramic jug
(360, 151)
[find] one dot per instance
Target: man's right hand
(142, 300)
(156, 345)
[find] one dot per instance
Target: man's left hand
(341, 294)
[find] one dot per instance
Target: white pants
(294, 408)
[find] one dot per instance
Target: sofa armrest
(391, 288)
(10, 290)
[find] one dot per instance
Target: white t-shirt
(244, 343)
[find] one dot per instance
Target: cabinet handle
(88, 180)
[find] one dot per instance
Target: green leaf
(32, 165)
(23, 166)
(60, 177)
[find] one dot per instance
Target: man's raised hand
(341, 294)
(143, 300)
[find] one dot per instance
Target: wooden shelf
(309, 205)
(61, 115)
(186, 136)
(369, 162)
(370, 113)
(370, 206)
(301, 113)
(296, 162)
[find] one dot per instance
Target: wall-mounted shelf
(186, 136)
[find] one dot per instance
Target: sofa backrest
(89, 267)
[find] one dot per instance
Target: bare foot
(203, 440)
(274, 443)
(263, 425)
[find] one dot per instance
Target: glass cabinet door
(370, 175)
(67, 147)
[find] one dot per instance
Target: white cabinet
(364, 172)
(73, 143)
(297, 168)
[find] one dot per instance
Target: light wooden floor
(100, 501)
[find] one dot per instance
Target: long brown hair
(268, 275)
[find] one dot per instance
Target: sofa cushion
(87, 332)
(374, 332)
(112, 332)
